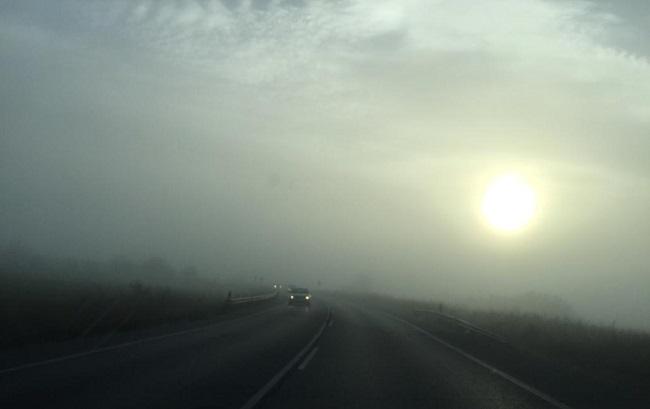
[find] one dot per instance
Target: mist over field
(347, 142)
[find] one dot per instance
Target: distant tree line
(20, 262)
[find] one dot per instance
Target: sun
(509, 203)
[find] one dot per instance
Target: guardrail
(251, 299)
(465, 324)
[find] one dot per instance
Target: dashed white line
(255, 399)
(304, 363)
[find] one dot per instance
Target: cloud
(511, 65)
(346, 136)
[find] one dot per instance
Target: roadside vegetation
(45, 299)
(608, 350)
(557, 352)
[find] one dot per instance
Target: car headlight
(307, 297)
(291, 297)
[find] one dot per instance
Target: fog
(348, 142)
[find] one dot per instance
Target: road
(336, 354)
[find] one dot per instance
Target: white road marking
(122, 345)
(331, 323)
(484, 364)
(255, 399)
(304, 363)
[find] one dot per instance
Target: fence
(464, 324)
(251, 299)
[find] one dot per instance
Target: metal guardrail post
(254, 298)
(465, 324)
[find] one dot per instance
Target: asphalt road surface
(336, 354)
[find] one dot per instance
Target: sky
(344, 141)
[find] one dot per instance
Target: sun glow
(509, 203)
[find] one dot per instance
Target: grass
(606, 350)
(49, 299)
(570, 357)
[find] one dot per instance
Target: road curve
(282, 357)
(369, 359)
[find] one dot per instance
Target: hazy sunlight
(509, 203)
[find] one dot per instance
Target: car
(299, 296)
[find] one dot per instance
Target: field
(48, 299)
